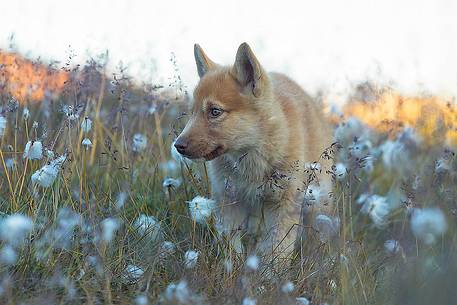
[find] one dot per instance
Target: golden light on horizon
(28, 81)
(434, 118)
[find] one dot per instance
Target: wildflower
(167, 248)
(141, 300)
(190, 258)
(178, 292)
(249, 301)
(287, 287)
(25, 114)
(33, 150)
(46, 175)
(200, 209)
(70, 112)
(313, 194)
(394, 154)
(14, 228)
(427, 224)
(148, 225)
(376, 207)
(35, 125)
(133, 272)
(327, 226)
(228, 265)
(139, 142)
(120, 200)
(67, 221)
(392, 246)
(302, 301)
(8, 255)
(340, 171)
(109, 228)
(352, 128)
(2, 125)
(86, 143)
(170, 182)
(252, 263)
(49, 153)
(152, 109)
(86, 125)
(10, 163)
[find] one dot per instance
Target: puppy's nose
(181, 146)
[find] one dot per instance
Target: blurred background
(325, 45)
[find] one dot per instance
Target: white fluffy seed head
(149, 226)
(14, 228)
(46, 175)
(2, 125)
(252, 263)
(428, 224)
(249, 301)
(86, 125)
(33, 150)
(171, 182)
(109, 227)
(140, 142)
(190, 259)
(25, 114)
(201, 208)
(86, 143)
(287, 287)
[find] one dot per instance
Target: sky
(325, 45)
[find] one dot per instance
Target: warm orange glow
(434, 118)
(28, 81)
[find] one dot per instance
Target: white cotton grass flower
(313, 194)
(376, 207)
(394, 154)
(302, 301)
(2, 125)
(178, 292)
(228, 265)
(133, 272)
(71, 112)
(191, 258)
(327, 227)
(109, 228)
(120, 200)
(35, 125)
(249, 301)
(201, 208)
(10, 163)
(46, 175)
(252, 263)
(167, 248)
(428, 224)
(86, 125)
(8, 255)
(288, 287)
(148, 225)
(141, 300)
(25, 114)
(49, 153)
(140, 142)
(33, 150)
(14, 228)
(171, 182)
(340, 171)
(392, 246)
(86, 143)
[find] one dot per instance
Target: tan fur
(257, 149)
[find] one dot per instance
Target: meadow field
(97, 208)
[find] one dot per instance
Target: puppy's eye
(215, 112)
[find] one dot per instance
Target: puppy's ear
(204, 64)
(248, 71)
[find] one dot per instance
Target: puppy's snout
(181, 146)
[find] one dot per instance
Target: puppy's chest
(253, 183)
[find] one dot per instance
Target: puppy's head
(226, 110)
